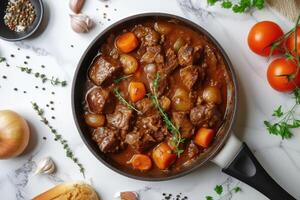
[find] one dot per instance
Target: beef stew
(158, 89)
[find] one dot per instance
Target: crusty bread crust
(77, 190)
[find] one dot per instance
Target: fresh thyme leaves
(176, 139)
(285, 120)
(240, 6)
(219, 189)
(43, 77)
(58, 137)
(118, 80)
(123, 101)
(2, 59)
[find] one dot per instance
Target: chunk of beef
(96, 99)
(152, 54)
(171, 62)
(185, 55)
(206, 115)
(188, 55)
(181, 120)
(144, 105)
(149, 130)
(120, 119)
(147, 35)
(210, 57)
(103, 70)
(107, 139)
(193, 150)
(189, 76)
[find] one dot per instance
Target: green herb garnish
(240, 6)
(118, 80)
(285, 120)
(176, 139)
(2, 59)
(219, 189)
(123, 100)
(58, 137)
(43, 77)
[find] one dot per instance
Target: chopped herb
(43, 77)
(2, 59)
(176, 139)
(58, 137)
(123, 100)
(118, 80)
(285, 120)
(209, 198)
(219, 189)
(239, 6)
(237, 189)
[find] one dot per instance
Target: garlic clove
(127, 195)
(45, 166)
(81, 23)
(76, 5)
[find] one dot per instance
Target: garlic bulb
(81, 23)
(76, 5)
(45, 166)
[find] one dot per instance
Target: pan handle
(237, 160)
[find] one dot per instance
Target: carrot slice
(204, 137)
(163, 156)
(141, 162)
(127, 42)
(137, 91)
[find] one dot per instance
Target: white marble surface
(52, 48)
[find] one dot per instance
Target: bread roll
(77, 190)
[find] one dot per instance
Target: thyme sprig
(176, 139)
(43, 77)
(123, 100)
(118, 80)
(240, 6)
(58, 137)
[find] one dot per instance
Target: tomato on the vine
(290, 43)
(262, 35)
(282, 75)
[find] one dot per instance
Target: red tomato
(279, 73)
(290, 43)
(262, 35)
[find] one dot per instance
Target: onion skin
(14, 134)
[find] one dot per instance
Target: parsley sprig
(219, 190)
(43, 77)
(285, 121)
(123, 100)
(176, 139)
(239, 7)
(58, 137)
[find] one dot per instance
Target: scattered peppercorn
(15, 89)
(175, 197)
(12, 55)
(36, 87)
(4, 77)
(25, 62)
(24, 92)
(106, 6)
(53, 93)
(72, 46)
(27, 57)
(43, 88)
(51, 102)
(42, 66)
(44, 138)
(52, 117)
(52, 108)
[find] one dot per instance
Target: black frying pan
(227, 151)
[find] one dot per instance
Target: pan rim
(228, 65)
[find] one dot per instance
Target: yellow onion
(14, 134)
